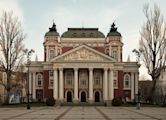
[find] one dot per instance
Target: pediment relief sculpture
(83, 54)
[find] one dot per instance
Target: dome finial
(53, 21)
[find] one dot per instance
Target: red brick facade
(47, 91)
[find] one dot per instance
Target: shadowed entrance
(83, 97)
(97, 97)
(69, 97)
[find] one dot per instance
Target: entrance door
(97, 97)
(83, 97)
(69, 97)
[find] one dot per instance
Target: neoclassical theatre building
(83, 65)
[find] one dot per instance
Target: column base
(75, 101)
(109, 102)
(59, 102)
(90, 101)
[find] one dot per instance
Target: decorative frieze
(83, 65)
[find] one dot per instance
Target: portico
(87, 88)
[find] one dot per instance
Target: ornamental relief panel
(83, 54)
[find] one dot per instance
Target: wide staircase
(83, 104)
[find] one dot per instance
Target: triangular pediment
(83, 53)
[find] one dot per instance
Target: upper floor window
(91, 35)
(51, 54)
(39, 80)
(51, 82)
(51, 78)
(68, 77)
(115, 77)
(83, 34)
(114, 54)
(83, 78)
(127, 81)
(74, 34)
(51, 73)
(97, 78)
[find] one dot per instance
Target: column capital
(111, 69)
(75, 69)
(105, 69)
(55, 68)
(60, 69)
(90, 69)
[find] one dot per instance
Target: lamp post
(29, 53)
(138, 100)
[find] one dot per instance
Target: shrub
(50, 101)
(116, 102)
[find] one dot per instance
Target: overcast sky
(37, 16)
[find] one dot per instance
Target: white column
(132, 86)
(119, 54)
(91, 84)
(105, 85)
(111, 86)
(34, 86)
(136, 82)
(110, 50)
(47, 53)
(55, 84)
(76, 84)
(30, 83)
(61, 88)
(56, 50)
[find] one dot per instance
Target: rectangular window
(83, 82)
(115, 78)
(51, 82)
(51, 73)
(39, 83)
(97, 76)
(51, 78)
(68, 78)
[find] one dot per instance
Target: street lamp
(29, 53)
(138, 99)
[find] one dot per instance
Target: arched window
(114, 54)
(39, 80)
(127, 81)
(51, 54)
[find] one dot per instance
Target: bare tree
(11, 46)
(152, 45)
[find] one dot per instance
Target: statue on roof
(113, 28)
(53, 28)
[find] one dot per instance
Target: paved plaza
(83, 113)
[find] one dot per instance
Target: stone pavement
(83, 113)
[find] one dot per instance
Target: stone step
(82, 104)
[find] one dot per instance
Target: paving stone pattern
(83, 113)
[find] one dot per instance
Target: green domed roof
(114, 34)
(113, 31)
(83, 33)
(52, 31)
